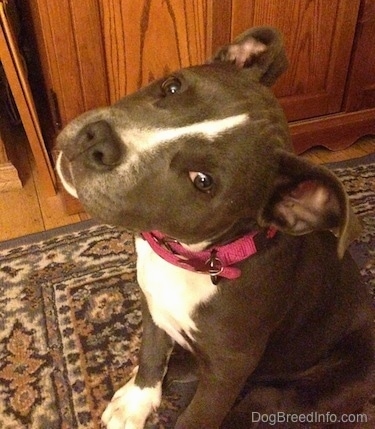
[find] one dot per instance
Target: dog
(241, 244)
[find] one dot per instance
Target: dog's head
(200, 153)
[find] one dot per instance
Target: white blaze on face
(150, 138)
(209, 129)
(143, 139)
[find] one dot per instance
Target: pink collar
(218, 261)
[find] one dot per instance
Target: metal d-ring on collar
(166, 242)
(215, 267)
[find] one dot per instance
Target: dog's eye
(202, 181)
(172, 85)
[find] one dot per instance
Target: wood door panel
(147, 39)
(318, 37)
(361, 87)
(69, 37)
(61, 56)
(90, 53)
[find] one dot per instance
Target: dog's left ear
(307, 198)
(260, 50)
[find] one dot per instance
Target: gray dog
(241, 245)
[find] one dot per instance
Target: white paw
(131, 405)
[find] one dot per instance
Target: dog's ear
(261, 50)
(307, 198)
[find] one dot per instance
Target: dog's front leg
(133, 403)
(216, 393)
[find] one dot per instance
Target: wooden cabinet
(94, 52)
(17, 78)
(146, 39)
(361, 78)
(356, 116)
(318, 37)
(70, 47)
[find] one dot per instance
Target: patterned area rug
(70, 318)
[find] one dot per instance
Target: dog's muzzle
(96, 147)
(97, 144)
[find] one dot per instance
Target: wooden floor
(28, 210)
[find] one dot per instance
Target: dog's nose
(100, 146)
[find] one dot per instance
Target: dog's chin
(63, 170)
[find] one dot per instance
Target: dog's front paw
(131, 405)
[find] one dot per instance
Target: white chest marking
(172, 293)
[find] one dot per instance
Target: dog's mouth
(65, 174)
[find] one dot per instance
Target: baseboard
(335, 132)
(9, 179)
